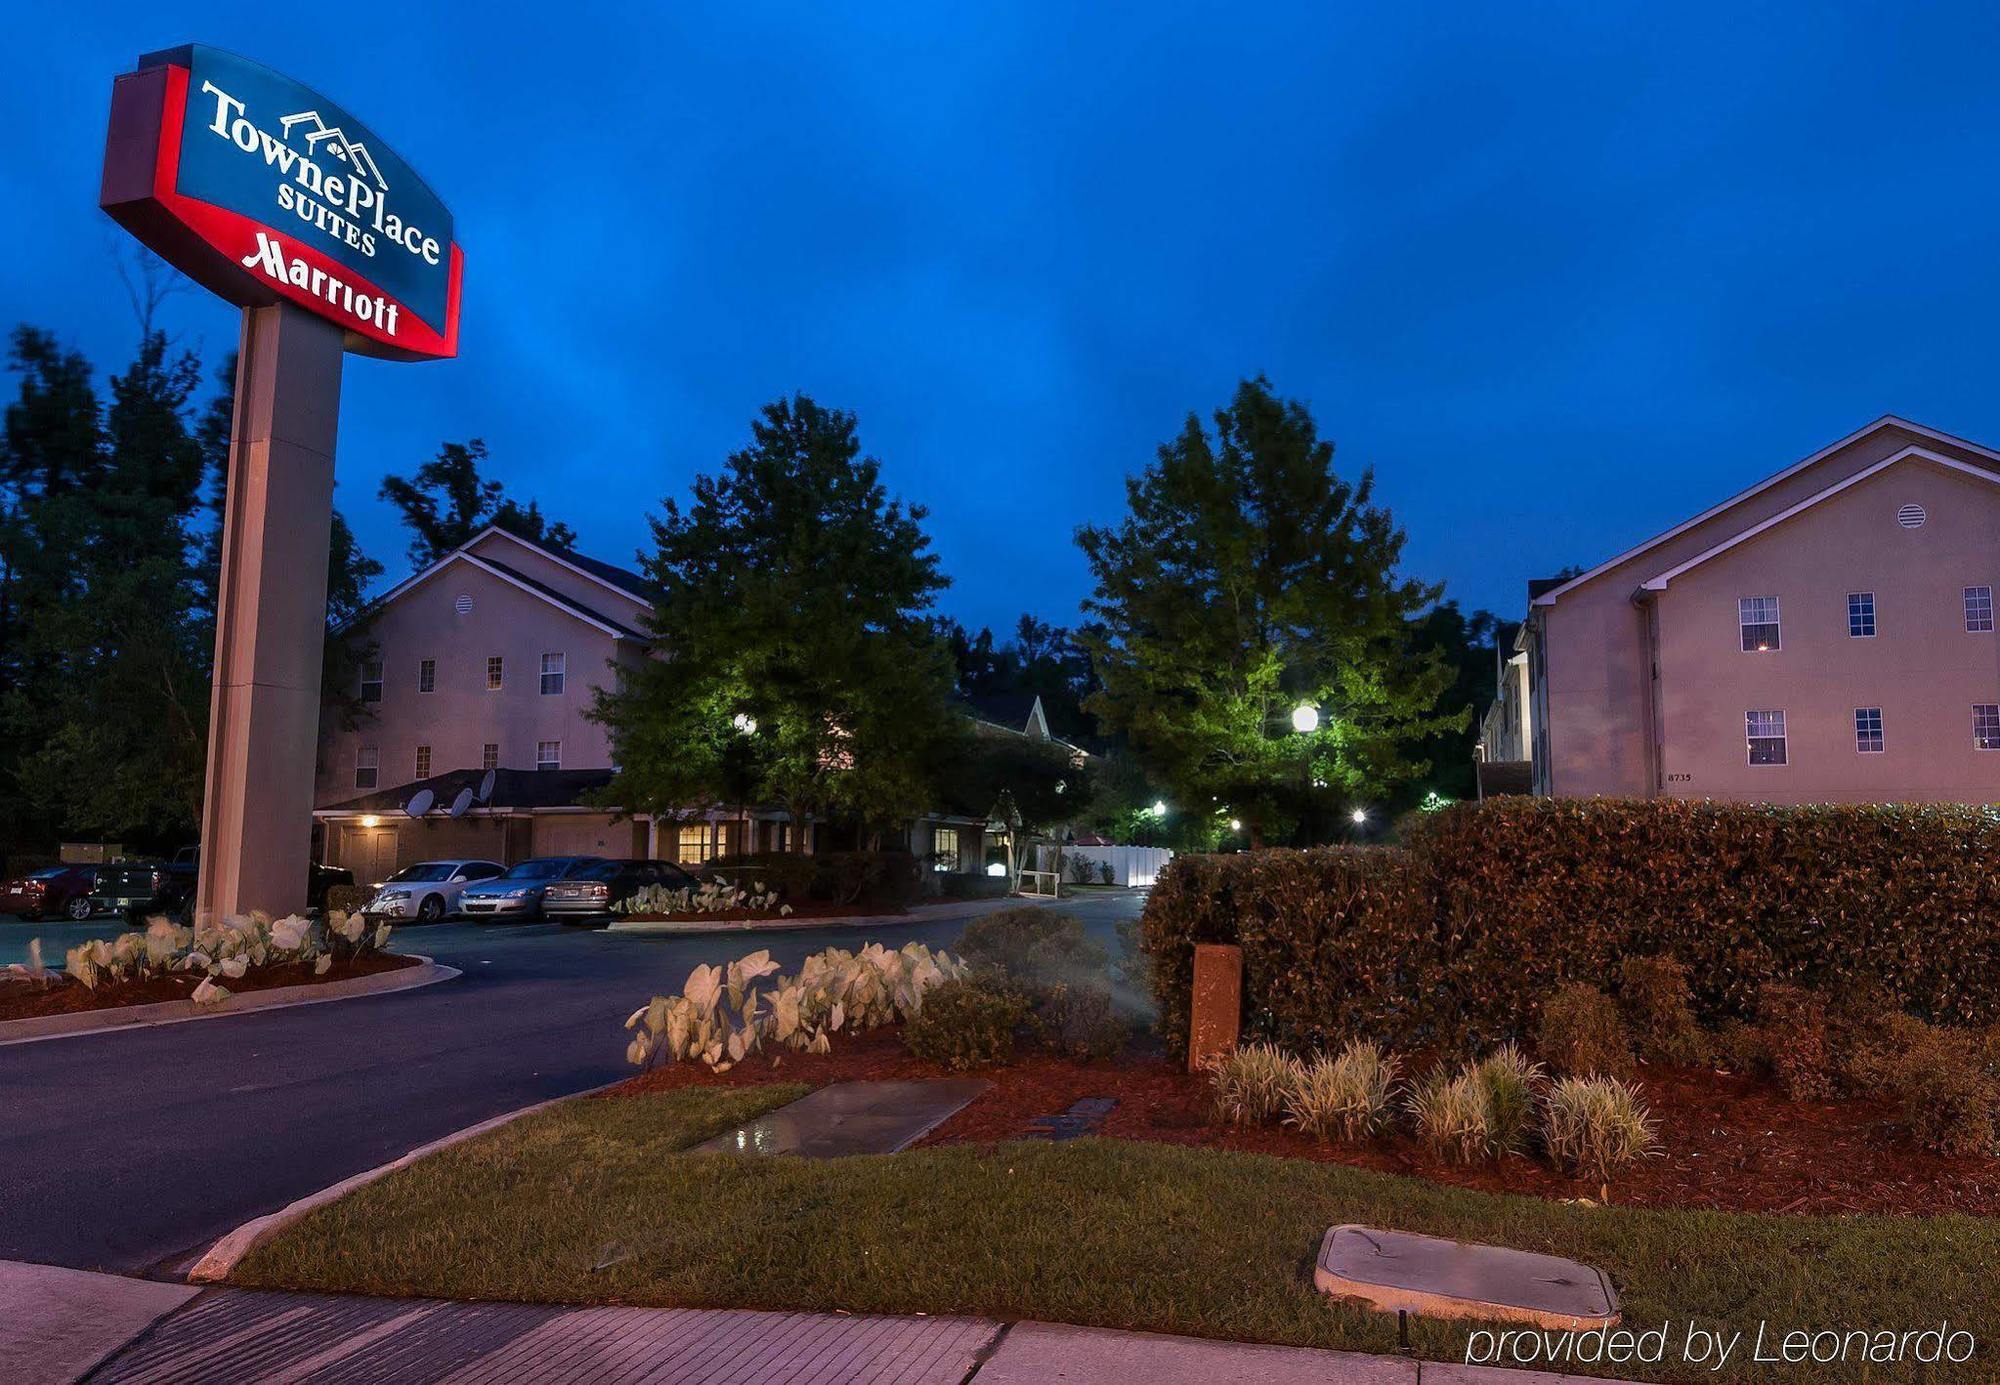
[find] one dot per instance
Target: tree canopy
(447, 501)
(1247, 580)
(797, 665)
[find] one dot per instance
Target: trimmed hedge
(889, 878)
(1487, 908)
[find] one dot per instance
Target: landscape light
(1305, 718)
(745, 723)
(1159, 807)
(1360, 815)
(1235, 826)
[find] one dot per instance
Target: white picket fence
(1135, 866)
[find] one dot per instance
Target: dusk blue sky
(1562, 274)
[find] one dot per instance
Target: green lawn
(589, 1203)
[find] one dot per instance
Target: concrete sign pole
(263, 729)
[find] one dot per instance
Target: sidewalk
(65, 1325)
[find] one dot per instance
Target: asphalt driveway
(130, 1151)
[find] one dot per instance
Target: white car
(427, 891)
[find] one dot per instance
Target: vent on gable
(464, 603)
(1911, 516)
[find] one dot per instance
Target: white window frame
(555, 761)
(1861, 612)
(559, 671)
(1868, 736)
(939, 836)
(1986, 726)
(1746, 607)
(427, 675)
(367, 766)
(422, 763)
(496, 672)
(1773, 717)
(704, 848)
(368, 682)
(489, 755)
(1978, 610)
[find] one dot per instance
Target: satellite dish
(420, 803)
(486, 783)
(461, 803)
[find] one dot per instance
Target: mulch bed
(811, 909)
(1729, 1142)
(20, 1000)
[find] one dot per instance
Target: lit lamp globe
(1360, 816)
(1305, 718)
(745, 723)
(1159, 808)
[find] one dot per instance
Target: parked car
(429, 890)
(173, 892)
(593, 891)
(518, 893)
(79, 892)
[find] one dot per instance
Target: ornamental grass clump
(1512, 1086)
(1348, 1097)
(1250, 1083)
(1451, 1116)
(1594, 1126)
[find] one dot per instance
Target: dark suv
(79, 892)
(173, 895)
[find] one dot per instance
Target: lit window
(548, 754)
(427, 676)
(423, 762)
(489, 756)
(371, 680)
(552, 674)
(1986, 725)
(1767, 737)
(367, 765)
(944, 848)
(694, 843)
(1758, 618)
(1861, 614)
(1868, 730)
(494, 665)
(1978, 608)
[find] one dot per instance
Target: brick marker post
(1215, 1014)
(270, 627)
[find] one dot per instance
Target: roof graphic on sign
(354, 153)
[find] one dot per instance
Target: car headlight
(394, 894)
(521, 893)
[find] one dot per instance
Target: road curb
(916, 914)
(86, 1022)
(222, 1258)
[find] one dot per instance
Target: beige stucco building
(1826, 636)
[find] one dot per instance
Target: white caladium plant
(721, 1015)
(709, 897)
(231, 948)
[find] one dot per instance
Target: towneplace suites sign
(262, 189)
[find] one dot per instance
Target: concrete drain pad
(850, 1118)
(1400, 1272)
(1085, 1117)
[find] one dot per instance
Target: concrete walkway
(70, 1325)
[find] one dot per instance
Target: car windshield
(538, 870)
(602, 870)
(51, 873)
(430, 870)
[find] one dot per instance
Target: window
(371, 680)
(1758, 618)
(1861, 615)
(367, 762)
(1767, 737)
(944, 848)
(1868, 730)
(1986, 725)
(1978, 608)
(693, 843)
(423, 762)
(427, 676)
(548, 754)
(552, 674)
(494, 665)
(489, 756)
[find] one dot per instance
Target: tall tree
(1466, 643)
(448, 501)
(1248, 580)
(1028, 785)
(799, 667)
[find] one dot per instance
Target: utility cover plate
(1399, 1271)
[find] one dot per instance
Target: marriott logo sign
(350, 204)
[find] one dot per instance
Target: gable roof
(506, 572)
(1658, 582)
(1549, 597)
(1019, 712)
(621, 580)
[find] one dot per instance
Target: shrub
(1581, 1033)
(1793, 1031)
(1348, 1097)
(1079, 1021)
(222, 951)
(347, 899)
(1741, 1046)
(1033, 948)
(1490, 906)
(710, 896)
(789, 874)
(1654, 993)
(1250, 1083)
(887, 878)
(1594, 1126)
(1106, 875)
(1946, 1081)
(966, 1023)
(1451, 1116)
(1512, 1086)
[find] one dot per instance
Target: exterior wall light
(1305, 718)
